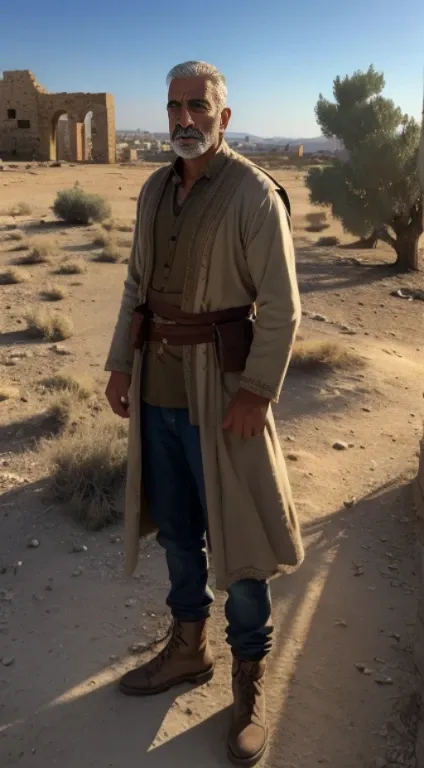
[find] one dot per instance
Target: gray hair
(201, 69)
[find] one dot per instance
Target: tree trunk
(369, 242)
(407, 252)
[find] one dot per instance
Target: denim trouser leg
(174, 489)
(248, 613)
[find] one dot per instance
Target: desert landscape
(342, 683)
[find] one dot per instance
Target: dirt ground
(341, 682)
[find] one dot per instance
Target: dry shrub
(7, 393)
(78, 207)
(42, 251)
(62, 411)
(81, 387)
(53, 293)
(52, 327)
(119, 226)
(14, 275)
(87, 472)
(317, 221)
(328, 241)
(323, 355)
(71, 267)
(110, 255)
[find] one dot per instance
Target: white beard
(196, 149)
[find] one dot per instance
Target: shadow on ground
(68, 711)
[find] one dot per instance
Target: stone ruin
(31, 128)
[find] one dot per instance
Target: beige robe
(241, 251)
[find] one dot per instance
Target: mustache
(187, 133)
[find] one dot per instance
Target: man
(204, 462)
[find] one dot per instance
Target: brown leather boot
(186, 658)
(248, 736)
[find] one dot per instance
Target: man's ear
(225, 119)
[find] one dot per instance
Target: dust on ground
(341, 682)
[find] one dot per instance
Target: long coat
(240, 251)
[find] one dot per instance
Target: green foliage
(78, 207)
(377, 189)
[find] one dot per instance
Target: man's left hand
(246, 414)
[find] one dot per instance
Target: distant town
(138, 145)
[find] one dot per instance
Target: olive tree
(375, 193)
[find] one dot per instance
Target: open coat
(240, 251)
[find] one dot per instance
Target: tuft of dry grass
(125, 242)
(52, 327)
(101, 238)
(16, 235)
(61, 413)
(87, 472)
(81, 387)
(19, 209)
(119, 226)
(53, 293)
(13, 275)
(317, 221)
(7, 393)
(316, 355)
(109, 255)
(328, 241)
(42, 251)
(71, 267)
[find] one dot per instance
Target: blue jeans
(175, 492)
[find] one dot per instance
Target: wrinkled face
(196, 120)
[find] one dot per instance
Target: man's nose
(184, 117)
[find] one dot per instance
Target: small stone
(8, 661)
(60, 350)
(341, 623)
(349, 503)
(130, 603)
(339, 445)
(188, 711)
(78, 572)
(77, 547)
(383, 680)
(33, 544)
(358, 570)
(319, 318)
(137, 648)
(292, 456)
(366, 409)
(363, 669)
(378, 660)
(114, 539)
(113, 657)
(395, 636)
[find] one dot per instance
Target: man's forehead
(191, 88)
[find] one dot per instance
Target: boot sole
(201, 677)
(248, 762)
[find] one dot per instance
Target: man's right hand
(117, 393)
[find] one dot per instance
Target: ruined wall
(29, 115)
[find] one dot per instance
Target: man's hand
(246, 414)
(117, 393)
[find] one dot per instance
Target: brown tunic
(163, 370)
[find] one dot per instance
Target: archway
(66, 138)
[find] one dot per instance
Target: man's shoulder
(157, 176)
(255, 179)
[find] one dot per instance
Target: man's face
(196, 122)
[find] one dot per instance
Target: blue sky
(277, 56)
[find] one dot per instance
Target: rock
(137, 648)
(60, 349)
(366, 409)
(33, 544)
(188, 711)
(77, 547)
(319, 318)
(292, 456)
(349, 503)
(363, 669)
(358, 570)
(341, 623)
(114, 539)
(130, 603)
(78, 572)
(339, 445)
(383, 680)
(8, 661)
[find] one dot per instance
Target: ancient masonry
(29, 117)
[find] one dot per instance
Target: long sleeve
(270, 256)
(121, 353)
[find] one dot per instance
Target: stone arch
(63, 143)
(94, 144)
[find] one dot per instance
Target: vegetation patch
(14, 275)
(74, 206)
(316, 355)
(51, 327)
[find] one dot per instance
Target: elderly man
(201, 347)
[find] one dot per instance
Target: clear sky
(277, 56)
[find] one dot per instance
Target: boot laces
(249, 685)
(175, 640)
